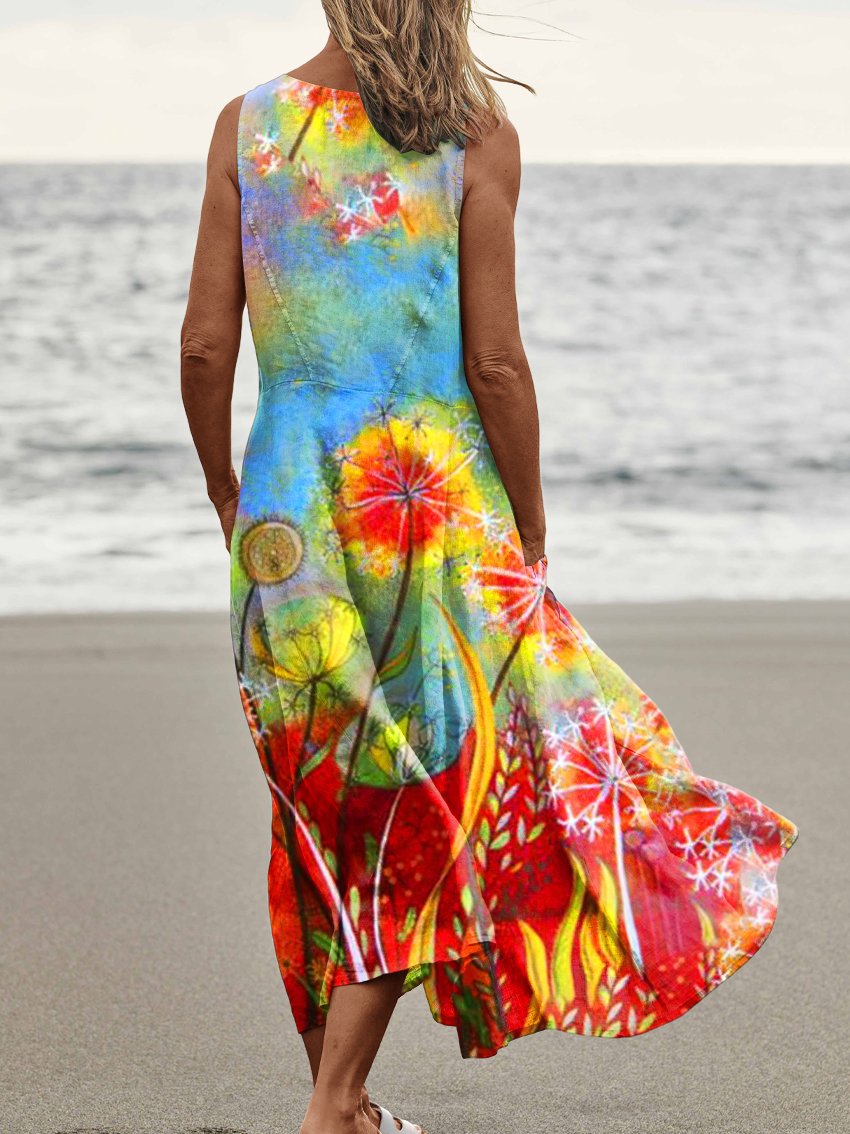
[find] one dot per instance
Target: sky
(616, 80)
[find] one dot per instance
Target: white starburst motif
(762, 918)
(357, 214)
(602, 709)
(255, 689)
(366, 203)
(266, 143)
(518, 592)
(547, 651)
(701, 876)
(391, 185)
(346, 211)
(761, 889)
(607, 777)
(689, 846)
(568, 819)
(730, 953)
(592, 825)
(338, 117)
(741, 842)
(472, 588)
(723, 876)
(569, 727)
(491, 524)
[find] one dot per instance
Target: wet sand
(139, 986)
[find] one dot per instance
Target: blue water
(688, 328)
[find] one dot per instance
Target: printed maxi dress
(463, 785)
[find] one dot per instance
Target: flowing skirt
(463, 785)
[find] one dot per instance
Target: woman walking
(468, 794)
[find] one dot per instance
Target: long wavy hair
(420, 82)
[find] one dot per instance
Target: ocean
(688, 328)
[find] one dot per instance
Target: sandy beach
(139, 985)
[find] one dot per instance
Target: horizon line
(650, 157)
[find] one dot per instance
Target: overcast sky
(622, 80)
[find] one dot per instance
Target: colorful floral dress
(463, 785)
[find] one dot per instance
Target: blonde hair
(420, 82)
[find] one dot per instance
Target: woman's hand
(532, 552)
(226, 504)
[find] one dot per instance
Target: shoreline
(594, 604)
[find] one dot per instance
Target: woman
(467, 792)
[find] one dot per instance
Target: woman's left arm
(212, 327)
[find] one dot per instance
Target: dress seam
(457, 203)
(297, 383)
(438, 275)
(272, 282)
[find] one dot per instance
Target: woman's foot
(333, 1117)
(370, 1108)
(375, 1112)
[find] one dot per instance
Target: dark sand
(139, 986)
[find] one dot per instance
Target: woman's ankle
(338, 1111)
(369, 1108)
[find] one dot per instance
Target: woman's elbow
(503, 367)
(202, 346)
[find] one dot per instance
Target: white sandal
(389, 1124)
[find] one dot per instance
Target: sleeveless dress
(463, 785)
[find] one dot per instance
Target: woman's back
(350, 247)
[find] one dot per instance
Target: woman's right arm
(497, 370)
(212, 327)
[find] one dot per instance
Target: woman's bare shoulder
(495, 161)
(223, 146)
